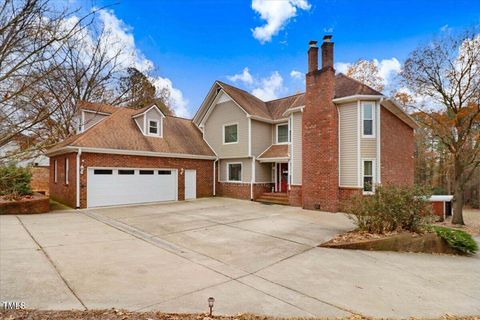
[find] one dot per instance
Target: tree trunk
(458, 193)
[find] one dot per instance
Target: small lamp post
(211, 301)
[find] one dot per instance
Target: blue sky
(195, 42)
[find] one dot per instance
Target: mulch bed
(115, 314)
(392, 241)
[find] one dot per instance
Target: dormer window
(153, 127)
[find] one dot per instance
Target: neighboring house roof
(119, 131)
(275, 151)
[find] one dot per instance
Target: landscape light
(211, 300)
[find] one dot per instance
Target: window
(230, 133)
(66, 170)
(102, 171)
(55, 168)
(368, 180)
(282, 133)
(146, 171)
(234, 172)
(126, 172)
(368, 119)
(153, 127)
(164, 172)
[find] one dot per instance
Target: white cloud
(178, 101)
(120, 38)
(388, 68)
(276, 13)
(295, 74)
(342, 67)
(244, 77)
(270, 88)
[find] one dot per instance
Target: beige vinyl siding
(154, 115)
(296, 152)
(90, 119)
(263, 172)
(139, 121)
(246, 169)
(261, 137)
(349, 135)
(227, 113)
(368, 148)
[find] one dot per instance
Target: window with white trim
(368, 176)
(282, 133)
(55, 168)
(368, 119)
(234, 172)
(230, 133)
(153, 127)
(66, 170)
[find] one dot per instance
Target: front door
(283, 177)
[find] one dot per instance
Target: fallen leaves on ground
(118, 314)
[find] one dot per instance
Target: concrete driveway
(249, 256)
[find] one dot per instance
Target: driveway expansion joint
(52, 263)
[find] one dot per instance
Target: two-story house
(312, 149)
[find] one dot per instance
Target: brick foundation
(241, 190)
(295, 196)
(66, 193)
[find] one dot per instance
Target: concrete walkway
(250, 257)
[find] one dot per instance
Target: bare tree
(445, 74)
(367, 72)
(32, 35)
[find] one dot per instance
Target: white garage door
(114, 186)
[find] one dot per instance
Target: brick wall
(60, 191)
(40, 179)
(66, 194)
(320, 142)
(295, 196)
(241, 190)
(233, 190)
(397, 150)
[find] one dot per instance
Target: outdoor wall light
(211, 301)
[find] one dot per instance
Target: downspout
(214, 177)
(252, 180)
(79, 153)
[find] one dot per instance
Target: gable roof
(275, 109)
(120, 132)
(275, 151)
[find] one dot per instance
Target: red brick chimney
(320, 132)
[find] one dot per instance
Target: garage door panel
(127, 188)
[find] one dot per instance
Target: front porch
(278, 157)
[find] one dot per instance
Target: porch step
(274, 198)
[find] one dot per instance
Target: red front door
(283, 177)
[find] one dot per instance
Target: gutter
(79, 153)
